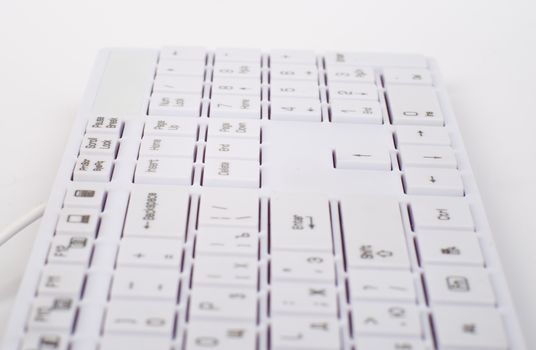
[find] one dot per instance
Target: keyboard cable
(21, 223)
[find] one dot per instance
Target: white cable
(21, 223)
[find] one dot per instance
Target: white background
(486, 50)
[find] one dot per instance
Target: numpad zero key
(246, 199)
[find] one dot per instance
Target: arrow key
(375, 159)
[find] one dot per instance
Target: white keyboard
(239, 199)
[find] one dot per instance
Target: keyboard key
(236, 86)
(229, 208)
(229, 106)
(225, 271)
(338, 58)
(279, 72)
(417, 105)
(226, 54)
(61, 281)
(428, 157)
(173, 67)
(177, 84)
(302, 267)
(183, 53)
(440, 182)
(93, 168)
(315, 333)
(461, 248)
(173, 104)
(417, 76)
(150, 318)
(348, 91)
(364, 159)
(221, 148)
(165, 146)
(300, 223)
(469, 328)
(457, 284)
(303, 299)
(45, 341)
(244, 129)
(386, 319)
(238, 70)
(397, 286)
(373, 233)
(164, 171)
(99, 144)
(356, 111)
(170, 126)
(284, 56)
(67, 249)
(130, 342)
(294, 88)
(52, 313)
(305, 109)
(145, 252)
(108, 125)
(389, 344)
(220, 336)
(349, 74)
(231, 173)
(424, 135)
(155, 211)
(223, 304)
(441, 214)
(84, 196)
(78, 221)
(140, 283)
(225, 241)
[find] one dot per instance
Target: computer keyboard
(240, 199)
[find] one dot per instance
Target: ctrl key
(98, 169)
(469, 328)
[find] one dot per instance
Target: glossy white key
(427, 157)
(307, 72)
(302, 267)
(143, 283)
(422, 135)
(178, 84)
(300, 223)
(184, 53)
(469, 328)
(441, 247)
(220, 336)
(362, 158)
(150, 318)
(80, 221)
(238, 70)
(373, 233)
(84, 196)
(294, 88)
(231, 173)
(130, 342)
(417, 105)
(61, 281)
(164, 171)
(228, 54)
(45, 341)
(398, 286)
(225, 271)
(166, 146)
(338, 58)
(386, 319)
(172, 67)
(223, 304)
(235, 128)
(418, 76)
(303, 299)
(67, 249)
(304, 109)
(99, 144)
(349, 91)
(440, 182)
(52, 313)
(356, 111)
(230, 106)
(170, 126)
(225, 241)
(389, 343)
(108, 125)
(236, 86)
(286, 56)
(93, 168)
(221, 148)
(146, 252)
(441, 214)
(459, 285)
(174, 104)
(350, 74)
(156, 211)
(229, 208)
(314, 333)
